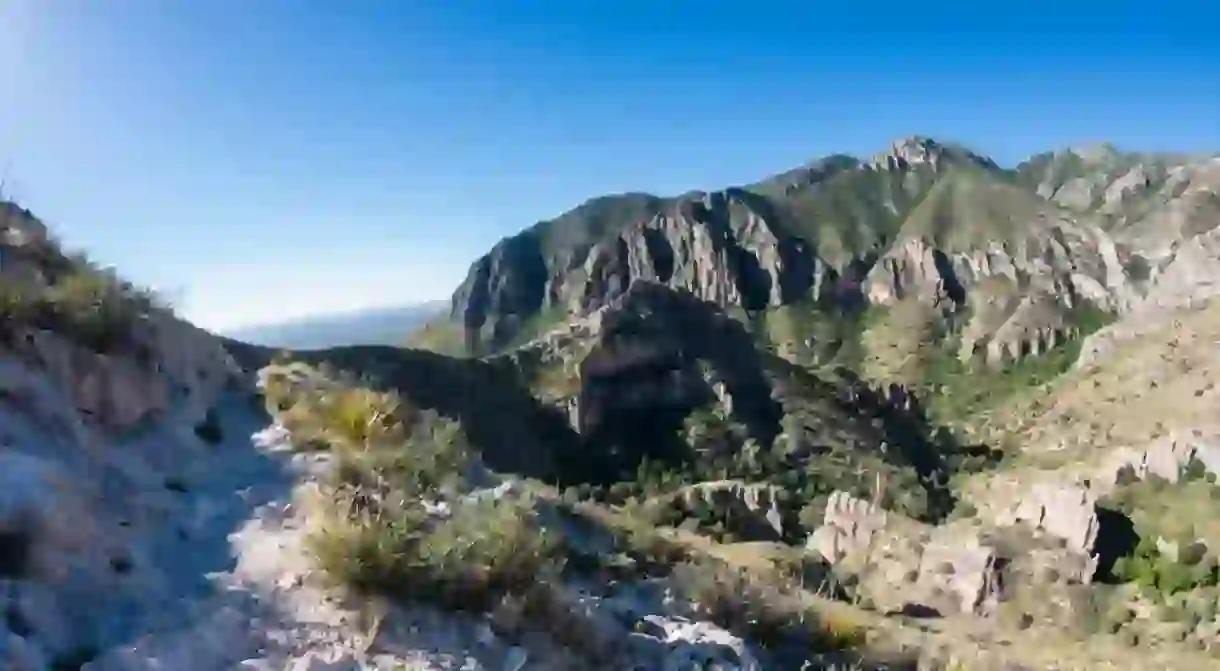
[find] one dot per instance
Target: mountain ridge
(835, 230)
(371, 326)
(904, 409)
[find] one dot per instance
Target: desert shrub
(377, 531)
(95, 308)
(380, 538)
(482, 552)
(83, 303)
(1158, 573)
(768, 610)
(356, 417)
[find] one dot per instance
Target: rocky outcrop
(504, 287)
(1022, 295)
(921, 221)
(960, 567)
(917, 151)
(650, 351)
(1168, 457)
(1065, 510)
(904, 566)
(848, 529)
(726, 248)
(97, 455)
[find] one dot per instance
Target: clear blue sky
(261, 159)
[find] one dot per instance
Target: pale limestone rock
(1062, 509)
(960, 565)
(849, 527)
(702, 645)
(1166, 457)
(955, 568)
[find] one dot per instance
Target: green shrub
(374, 533)
(378, 538)
(1157, 573)
(484, 551)
(357, 417)
(95, 308)
(83, 303)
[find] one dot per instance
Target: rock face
(915, 151)
(83, 509)
(904, 566)
(1021, 253)
(652, 349)
(726, 248)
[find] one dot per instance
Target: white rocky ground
(128, 543)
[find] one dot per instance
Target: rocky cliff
(1016, 252)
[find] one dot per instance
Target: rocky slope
(150, 518)
(914, 409)
(1017, 253)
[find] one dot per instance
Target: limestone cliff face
(726, 248)
(914, 151)
(1020, 293)
(507, 284)
(655, 350)
(1025, 251)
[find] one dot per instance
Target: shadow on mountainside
(513, 431)
(651, 356)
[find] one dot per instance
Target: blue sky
(264, 159)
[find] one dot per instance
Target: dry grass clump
(767, 609)
(394, 520)
(470, 561)
(84, 303)
(397, 519)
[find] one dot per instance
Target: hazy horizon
(265, 162)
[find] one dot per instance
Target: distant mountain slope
(382, 326)
(986, 251)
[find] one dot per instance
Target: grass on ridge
(375, 529)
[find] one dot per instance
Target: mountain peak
(1095, 152)
(917, 150)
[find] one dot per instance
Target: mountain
(915, 410)
(1019, 256)
(379, 326)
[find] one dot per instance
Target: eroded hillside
(911, 411)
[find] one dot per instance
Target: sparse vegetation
(1164, 574)
(77, 299)
(769, 612)
(399, 519)
(393, 521)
